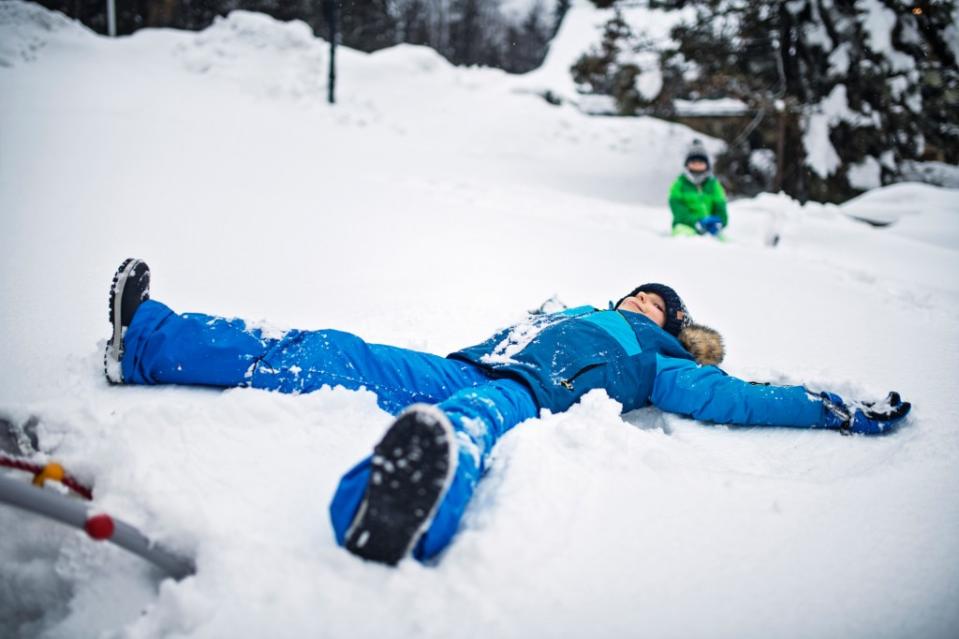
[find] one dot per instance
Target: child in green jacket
(697, 199)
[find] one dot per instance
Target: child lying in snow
(410, 494)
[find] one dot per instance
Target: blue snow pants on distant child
(163, 347)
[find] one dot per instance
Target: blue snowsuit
(549, 362)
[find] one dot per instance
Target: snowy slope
(429, 207)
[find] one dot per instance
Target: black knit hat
(677, 316)
(696, 151)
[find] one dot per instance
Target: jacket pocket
(570, 383)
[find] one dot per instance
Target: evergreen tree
(367, 25)
(559, 12)
(847, 92)
(413, 22)
(463, 31)
(529, 41)
(600, 69)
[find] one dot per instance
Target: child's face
(696, 166)
(649, 304)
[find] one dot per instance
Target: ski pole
(99, 527)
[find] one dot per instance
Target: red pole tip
(99, 527)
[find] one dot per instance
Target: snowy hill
(429, 207)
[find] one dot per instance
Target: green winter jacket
(691, 203)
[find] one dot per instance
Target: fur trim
(703, 343)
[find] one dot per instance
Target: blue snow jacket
(562, 356)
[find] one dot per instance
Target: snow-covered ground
(429, 207)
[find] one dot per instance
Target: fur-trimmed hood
(703, 343)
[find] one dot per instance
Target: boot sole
(413, 467)
(113, 354)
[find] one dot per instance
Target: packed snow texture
(428, 208)
(821, 157)
(937, 173)
(865, 175)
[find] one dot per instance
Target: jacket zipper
(568, 383)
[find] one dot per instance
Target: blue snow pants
(163, 347)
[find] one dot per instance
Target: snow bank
(920, 211)
(937, 173)
(25, 29)
(865, 175)
(267, 56)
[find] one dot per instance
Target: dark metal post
(112, 18)
(329, 13)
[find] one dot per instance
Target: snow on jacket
(690, 202)
(562, 356)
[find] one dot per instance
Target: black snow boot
(131, 285)
(413, 467)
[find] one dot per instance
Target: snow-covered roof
(706, 108)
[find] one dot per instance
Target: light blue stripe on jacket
(617, 326)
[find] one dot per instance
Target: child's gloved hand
(712, 225)
(868, 418)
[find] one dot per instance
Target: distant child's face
(696, 166)
(649, 304)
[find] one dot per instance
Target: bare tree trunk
(160, 13)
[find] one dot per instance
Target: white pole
(112, 18)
